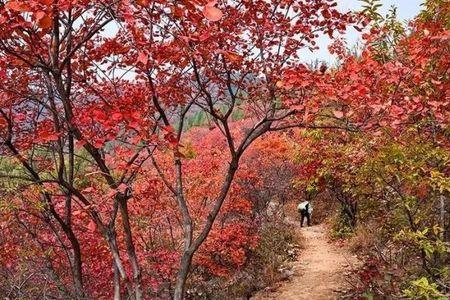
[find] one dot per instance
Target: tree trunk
(116, 282)
(112, 242)
(192, 247)
(77, 265)
(130, 248)
(185, 265)
(77, 271)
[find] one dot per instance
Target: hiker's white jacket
(302, 206)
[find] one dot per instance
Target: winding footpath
(319, 272)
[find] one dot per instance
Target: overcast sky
(406, 10)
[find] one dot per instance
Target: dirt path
(319, 270)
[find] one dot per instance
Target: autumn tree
(94, 92)
(225, 56)
(53, 102)
(393, 162)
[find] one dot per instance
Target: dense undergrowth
(278, 245)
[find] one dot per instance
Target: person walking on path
(305, 210)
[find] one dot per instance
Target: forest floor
(320, 271)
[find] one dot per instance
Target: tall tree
(217, 57)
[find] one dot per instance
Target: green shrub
(422, 289)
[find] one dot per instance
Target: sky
(406, 9)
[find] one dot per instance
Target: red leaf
(142, 58)
(168, 128)
(77, 212)
(43, 20)
(46, 136)
(177, 11)
(204, 36)
(52, 137)
(143, 2)
(99, 115)
(39, 15)
(396, 110)
(338, 114)
(88, 190)
(326, 14)
(117, 116)
(212, 13)
(99, 144)
(17, 6)
(91, 226)
(233, 56)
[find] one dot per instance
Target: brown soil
(320, 271)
